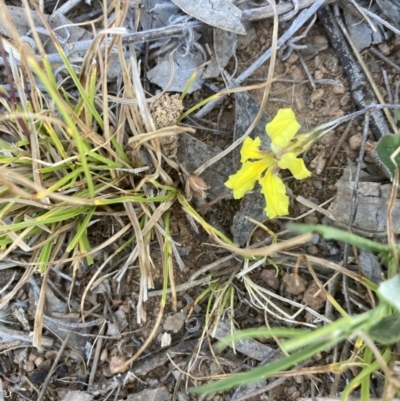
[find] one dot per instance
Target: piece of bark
(373, 200)
(361, 92)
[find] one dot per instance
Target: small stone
(32, 357)
(313, 301)
(292, 58)
(165, 340)
(319, 162)
(344, 101)
(104, 355)
(62, 371)
(294, 284)
(318, 74)
(317, 184)
(321, 41)
(106, 372)
(38, 376)
(116, 362)
(45, 365)
(355, 142)
(269, 277)
(337, 113)
(338, 89)
(297, 73)
(50, 354)
(38, 361)
(384, 48)
(174, 322)
(317, 95)
(28, 366)
(311, 219)
(313, 250)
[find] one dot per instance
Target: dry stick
(267, 12)
(364, 67)
(68, 6)
(387, 60)
(340, 399)
(353, 209)
(343, 355)
(54, 366)
(339, 144)
(96, 356)
(362, 95)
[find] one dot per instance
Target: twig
(353, 209)
(259, 13)
(53, 367)
(307, 71)
(161, 33)
(339, 144)
(96, 356)
(68, 6)
(361, 93)
(12, 335)
(387, 60)
(364, 67)
(182, 287)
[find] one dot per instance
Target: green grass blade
(264, 371)
(81, 230)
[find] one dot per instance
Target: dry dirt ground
(23, 369)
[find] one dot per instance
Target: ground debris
(338, 399)
(249, 347)
(77, 396)
(373, 200)
(218, 13)
(157, 394)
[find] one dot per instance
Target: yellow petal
(245, 179)
(282, 129)
(295, 165)
(251, 150)
(274, 191)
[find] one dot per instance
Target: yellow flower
(264, 166)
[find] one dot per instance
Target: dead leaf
(184, 67)
(224, 48)
(218, 13)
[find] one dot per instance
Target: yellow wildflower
(264, 166)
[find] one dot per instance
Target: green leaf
(389, 291)
(385, 148)
(387, 331)
(340, 235)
